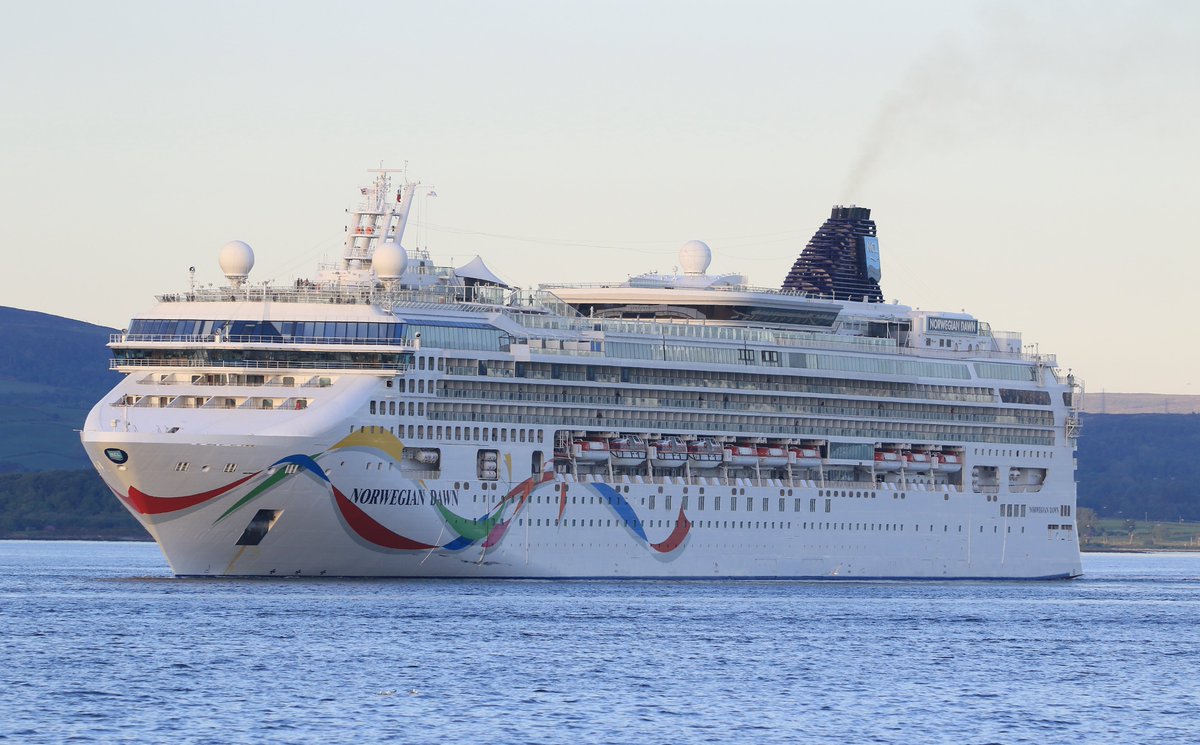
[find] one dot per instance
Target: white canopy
(476, 270)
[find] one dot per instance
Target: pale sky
(1032, 163)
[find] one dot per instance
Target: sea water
(99, 643)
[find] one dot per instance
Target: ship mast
(381, 216)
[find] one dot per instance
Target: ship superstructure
(392, 417)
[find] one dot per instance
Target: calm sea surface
(99, 643)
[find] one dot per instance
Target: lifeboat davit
(805, 457)
(918, 462)
(704, 454)
(741, 455)
(627, 451)
(590, 451)
(949, 463)
(772, 457)
(887, 460)
(669, 453)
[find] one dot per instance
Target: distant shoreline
(1092, 549)
(79, 537)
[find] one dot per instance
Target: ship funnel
(841, 260)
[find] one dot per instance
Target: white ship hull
(369, 522)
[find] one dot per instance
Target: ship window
(812, 505)
(717, 502)
(828, 505)
(651, 504)
(372, 407)
(116, 455)
(700, 502)
(667, 503)
(766, 504)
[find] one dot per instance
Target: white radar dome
(236, 260)
(389, 260)
(694, 257)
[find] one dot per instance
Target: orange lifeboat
(590, 451)
(741, 455)
(888, 460)
(804, 457)
(772, 457)
(948, 463)
(918, 462)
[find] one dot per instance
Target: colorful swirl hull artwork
(487, 530)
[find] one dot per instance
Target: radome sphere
(389, 260)
(236, 259)
(694, 257)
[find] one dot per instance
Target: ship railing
(657, 284)
(705, 330)
(886, 430)
(201, 383)
(243, 339)
(486, 296)
(717, 387)
(797, 407)
(205, 384)
(118, 364)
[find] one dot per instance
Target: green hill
(63, 504)
(52, 370)
(1140, 466)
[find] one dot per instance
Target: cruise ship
(393, 417)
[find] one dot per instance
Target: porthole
(116, 455)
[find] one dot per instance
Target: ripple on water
(101, 643)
